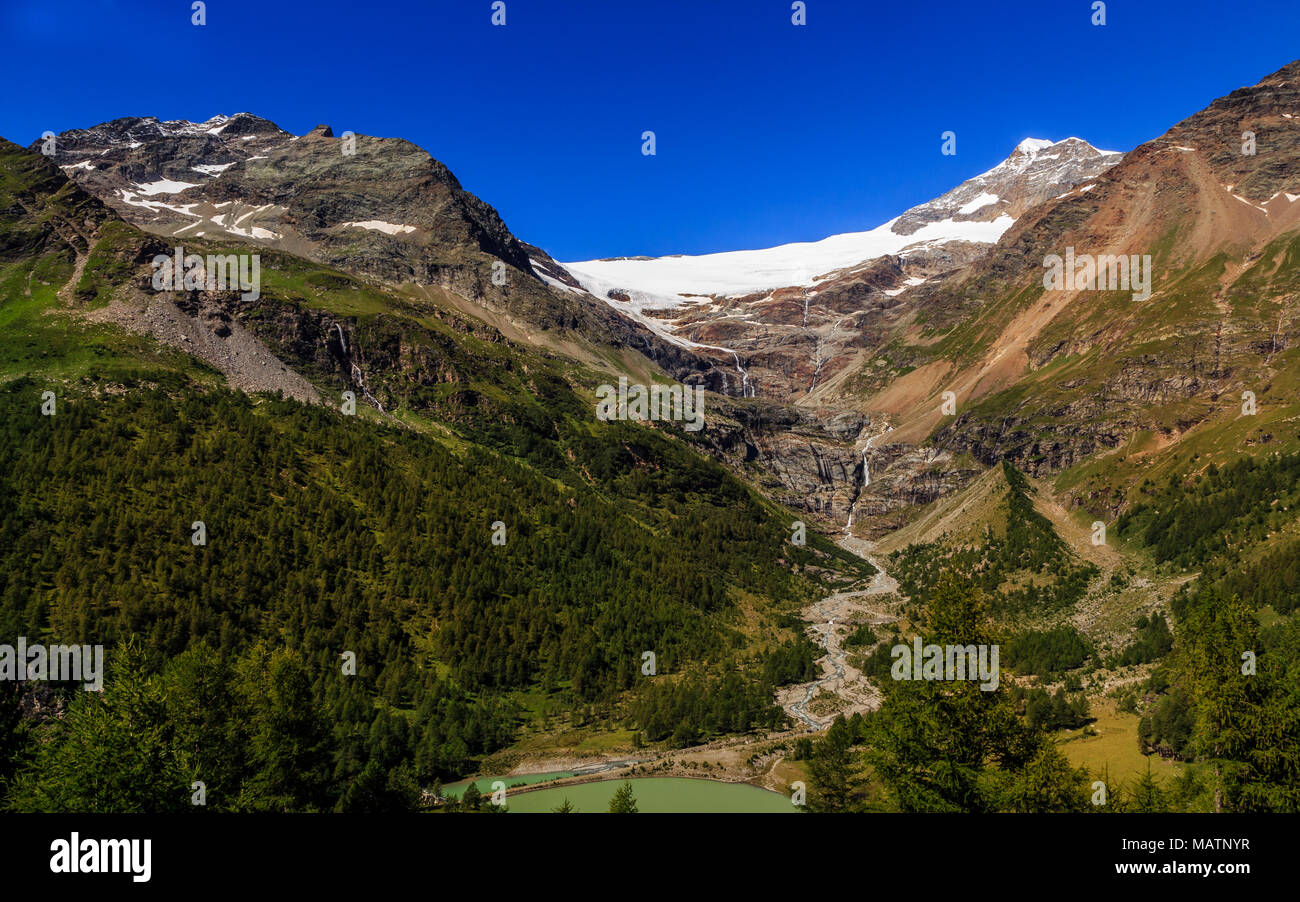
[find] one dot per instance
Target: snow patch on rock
(378, 225)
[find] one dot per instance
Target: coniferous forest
(325, 537)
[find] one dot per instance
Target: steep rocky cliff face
(800, 459)
(379, 208)
(836, 467)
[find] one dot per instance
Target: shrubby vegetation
(1047, 653)
(1227, 695)
(863, 634)
(1027, 569)
(1153, 641)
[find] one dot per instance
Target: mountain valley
(910, 401)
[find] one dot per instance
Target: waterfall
(355, 371)
(817, 368)
(745, 390)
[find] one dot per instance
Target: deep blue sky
(767, 132)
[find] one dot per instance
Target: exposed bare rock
(380, 208)
(201, 326)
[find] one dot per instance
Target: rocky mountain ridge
(379, 208)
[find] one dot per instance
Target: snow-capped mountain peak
(1033, 145)
(979, 210)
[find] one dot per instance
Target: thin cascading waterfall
(817, 365)
(745, 390)
(817, 370)
(866, 476)
(360, 378)
(357, 375)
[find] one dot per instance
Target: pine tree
(623, 802)
(111, 753)
(1246, 724)
(290, 745)
(1146, 795)
(951, 746)
(472, 798)
(831, 769)
(1047, 784)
